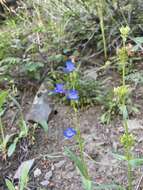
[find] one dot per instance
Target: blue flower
(69, 66)
(72, 95)
(59, 89)
(69, 133)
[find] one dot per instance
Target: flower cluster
(71, 94)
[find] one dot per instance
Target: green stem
(2, 131)
(103, 36)
(128, 156)
(127, 148)
(100, 12)
(130, 176)
(80, 141)
(124, 64)
(123, 75)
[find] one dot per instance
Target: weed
(121, 93)
(12, 139)
(23, 180)
(72, 95)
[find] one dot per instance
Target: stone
(37, 172)
(48, 175)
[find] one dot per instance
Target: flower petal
(69, 133)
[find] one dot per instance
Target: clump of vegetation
(57, 41)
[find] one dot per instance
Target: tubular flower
(69, 66)
(69, 133)
(73, 95)
(59, 89)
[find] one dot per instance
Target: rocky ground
(52, 170)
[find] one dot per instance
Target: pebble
(48, 175)
(60, 164)
(37, 172)
(45, 183)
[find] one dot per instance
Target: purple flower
(59, 89)
(69, 66)
(69, 133)
(72, 95)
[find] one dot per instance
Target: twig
(89, 40)
(139, 183)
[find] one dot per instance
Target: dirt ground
(54, 171)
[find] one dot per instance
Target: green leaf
(124, 111)
(11, 149)
(24, 177)
(87, 184)
(9, 185)
(138, 40)
(7, 139)
(44, 125)
(57, 58)
(136, 162)
(24, 129)
(120, 157)
(33, 66)
(77, 161)
(3, 96)
(135, 110)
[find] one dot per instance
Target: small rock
(28, 163)
(45, 183)
(37, 172)
(41, 109)
(135, 124)
(48, 175)
(91, 74)
(52, 167)
(60, 164)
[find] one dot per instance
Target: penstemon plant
(72, 95)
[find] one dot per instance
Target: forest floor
(54, 171)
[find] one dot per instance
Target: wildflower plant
(69, 133)
(71, 94)
(4, 138)
(23, 180)
(121, 94)
(12, 139)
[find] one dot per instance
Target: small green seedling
(23, 180)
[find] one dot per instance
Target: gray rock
(41, 108)
(91, 74)
(37, 172)
(28, 163)
(135, 124)
(45, 183)
(60, 164)
(48, 175)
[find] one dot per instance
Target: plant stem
(2, 131)
(80, 141)
(100, 12)
(127, 148)
(130, 176)
(123, 75)
(128, 155)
